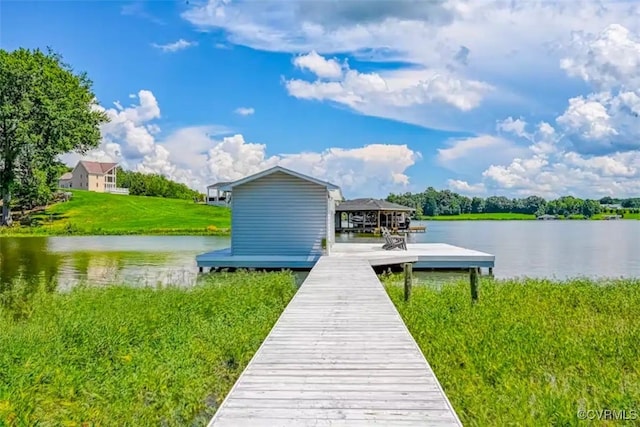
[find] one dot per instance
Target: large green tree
(46, 109)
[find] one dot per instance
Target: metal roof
(283, 170)
(370, 205)
(219, 184)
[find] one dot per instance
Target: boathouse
(368, 215)
(282, 219)
(281, 212)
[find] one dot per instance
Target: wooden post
(200, 268)
(491, 271)
(473, 281)
(408, 273)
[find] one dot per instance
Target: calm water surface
(523, 248)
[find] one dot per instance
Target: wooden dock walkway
(340, 355)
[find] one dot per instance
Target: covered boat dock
(368, 215)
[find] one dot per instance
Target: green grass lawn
(127, 356)
(530, 353)
(101, 213)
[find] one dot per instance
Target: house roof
(97, 168)
(219, 184)
(66, 176)
(275, 169)
(371, 205)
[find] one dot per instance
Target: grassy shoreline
(530, 350)
(132, 356)
(536, 349)
(90, 213)
(39, 232)
(101, 214)
(516, 217)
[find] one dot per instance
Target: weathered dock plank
(339, 355)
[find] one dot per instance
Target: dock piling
(408, 279)
(473, 282)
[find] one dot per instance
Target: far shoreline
(521, 217)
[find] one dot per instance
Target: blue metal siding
(278, 214)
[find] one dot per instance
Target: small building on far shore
(547, 217)
(65, 181)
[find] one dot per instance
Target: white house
(93, 176)
(282, 212)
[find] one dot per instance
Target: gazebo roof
(371, 205)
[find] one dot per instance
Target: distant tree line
(142, 184)
(432, 202)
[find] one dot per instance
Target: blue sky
(374, 96)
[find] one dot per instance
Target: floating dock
(424, 256)
(339, 355)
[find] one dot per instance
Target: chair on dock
(393, 241)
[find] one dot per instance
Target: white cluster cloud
(550, 169)
(470, 156)
(461, 57)
(317, 64)
(608, 119)
(373, 169)
(465, 65)
(175, 46)
(201, 155)
(593, 149)
(360, 91)
(608, 60)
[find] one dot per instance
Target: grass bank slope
(533, 352)
(101, 214)
(134, 356)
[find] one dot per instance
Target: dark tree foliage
(45, 110)
(433, 203)
(141, 184)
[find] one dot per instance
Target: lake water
(523, 248)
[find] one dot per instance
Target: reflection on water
(103, 260)
(553, 249)
(29, 259)
(522, 248)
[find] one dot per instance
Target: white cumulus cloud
(200, 155)
(320, 66)
(551, 168)
(373, 170)
(468, 156)
(445, 64)
(374, 92)
(175, 46)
